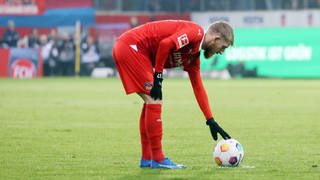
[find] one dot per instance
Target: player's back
(148, 36)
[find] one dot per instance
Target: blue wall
(53, 18)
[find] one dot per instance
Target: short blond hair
(224, 29)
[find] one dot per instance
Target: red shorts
(135, 69)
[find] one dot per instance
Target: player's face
(215, 46)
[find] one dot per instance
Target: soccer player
(141, 54)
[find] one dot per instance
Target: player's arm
(202, 99)
(199, 91)
(165, 46)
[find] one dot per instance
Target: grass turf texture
(88, 129)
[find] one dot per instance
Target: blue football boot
(167, 164)
(145, 163)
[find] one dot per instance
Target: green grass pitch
(74, 128)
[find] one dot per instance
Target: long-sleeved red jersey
(169, 44)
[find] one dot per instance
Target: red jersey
(169, 44)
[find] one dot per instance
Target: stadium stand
(104, 20)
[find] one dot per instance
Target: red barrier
(68, 3)
(20, 63)
(4, 62)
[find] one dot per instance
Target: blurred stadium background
(57, 127)
(274, 38)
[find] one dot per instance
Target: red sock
(145, 145)
(154, 130)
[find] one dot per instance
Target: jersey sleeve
(165, 46)
(174, 42)
(190, 35)
(198, 89)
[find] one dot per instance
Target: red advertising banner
(20, 63)
(4, 62)
(68, 4)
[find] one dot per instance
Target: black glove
(215, 129)
(156, 92)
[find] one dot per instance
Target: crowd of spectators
(203, 5)
(189, 5)
(56, 50)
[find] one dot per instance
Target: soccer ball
(228, 153)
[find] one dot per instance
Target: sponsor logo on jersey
(148, 86)
(183, 40)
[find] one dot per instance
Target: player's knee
(149, 100)
(152, 101)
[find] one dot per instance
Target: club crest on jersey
(148, 86)
(183, 40)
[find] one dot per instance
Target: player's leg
(135, 71)
(145, 145)
(153, 124)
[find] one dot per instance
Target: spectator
(23, 42)
(10, 36)
(54, 56)
(134, 22)
(66, 55)
(90, 56)
(33, 39)
(53, 39)
(49, 64)
(53, 35)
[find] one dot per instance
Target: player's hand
(156, 92)
(215, 129)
